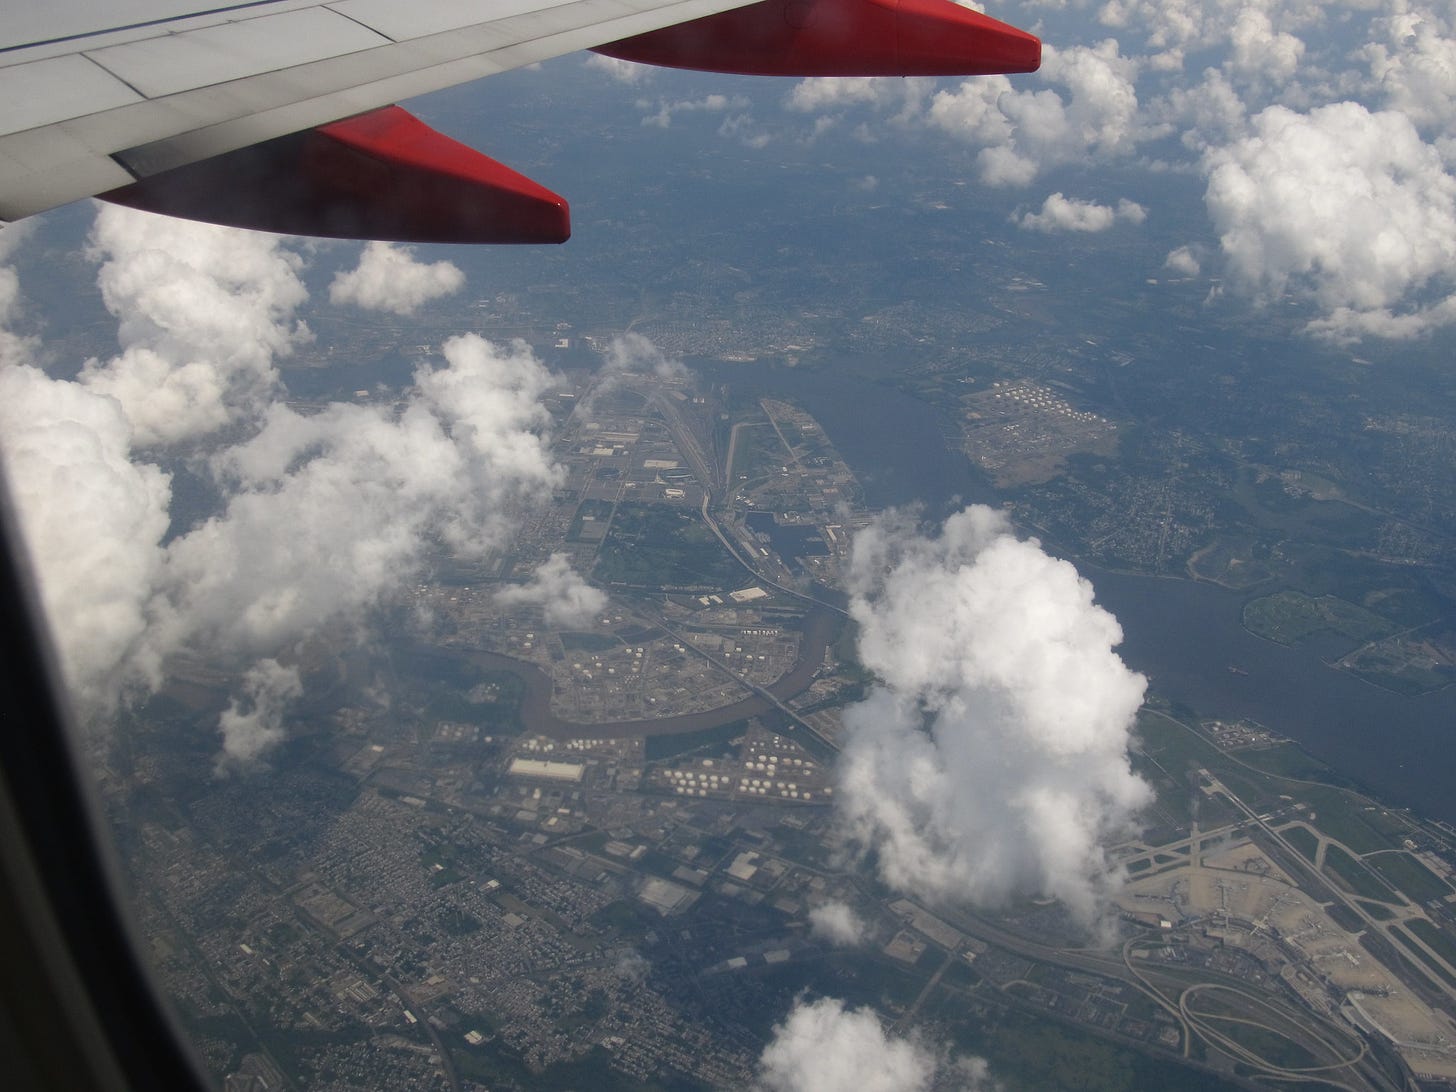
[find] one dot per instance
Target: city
(607, 847)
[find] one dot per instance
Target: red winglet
(839, 38)
(380, 175)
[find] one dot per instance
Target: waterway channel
(1183, 634)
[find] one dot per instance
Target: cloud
(633, 965)
(1346, 325)
(1344, 206)
(388, 278)
(1060, 213)
(991, 760)
(203, 312)
(1026, 132)
(823, 1047)
(1210, 112)
(631, 354)
(325, 515)
(93, 520)
(628, 72)
(1414, 67)
(253, 725)
(1260, 51)
(1182, 260)
(709, 104)
(566, 599)
(636, 354)
(332, 513)
(15, 349)
(837, 923)
(1175, 28)
(744, 129)
(12, 236)
(903, 100)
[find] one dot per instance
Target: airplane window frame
(78, 1009)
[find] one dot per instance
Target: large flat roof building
(554, 771)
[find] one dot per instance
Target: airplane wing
(233, 113)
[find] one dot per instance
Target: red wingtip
(839, 38)
(941, 37)
(380, 175)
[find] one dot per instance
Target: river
(1182, 634)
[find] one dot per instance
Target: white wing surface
(94, 96)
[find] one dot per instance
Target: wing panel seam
(246, 5)
(117, 76)
(360, 22)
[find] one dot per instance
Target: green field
(588, 642)
(1027, 1052)
(1344, 818)
(1417, 882)
(1289, 760)
(1438, 940)
(1419, 955)
(658, 546)
(1290, 617)
(1230, 561)
(759, 454)
(1413, 663)
(1377, 910)
(591, 518)
(1302, 840)
(1355, 876)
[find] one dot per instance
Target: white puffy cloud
(1414, 66)
(203, 312)
(1090, 111)
(823, 1047)
(14, 349)
(636, 354)
(1183, 260)
(1025, 132)
(1210, 112)
(253, 724)
(1175, 28)
(331, 513)
(326, 514)
(628, 72)
(12, 235)
(1130, 211)
(1062, 213)
(565, 598)
(708, 104)
(991, 760)
(1261, 51)
(903, 100)
(388, 278)
(837, 923)
(627, 355)
(93, 520)
(1345, 325)
(1346, 206)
